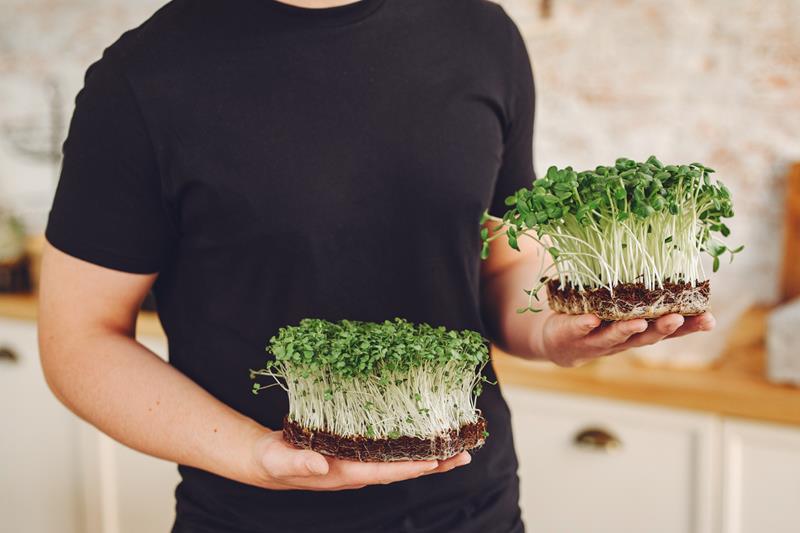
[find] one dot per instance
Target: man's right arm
(95, 366)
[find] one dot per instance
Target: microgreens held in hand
(631, 223)
(378, 380)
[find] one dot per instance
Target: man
(258, 162)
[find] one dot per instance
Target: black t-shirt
(274, 163)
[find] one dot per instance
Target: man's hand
(279, 466)
(570, 340)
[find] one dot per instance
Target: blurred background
(696, 435)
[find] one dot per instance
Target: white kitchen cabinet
(127, 491)
(597, 466)
(59, 474)
(40, 462)
(761, 478)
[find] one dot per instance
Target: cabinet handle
(596, 439)
(7, 354)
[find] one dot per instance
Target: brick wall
(717, 81)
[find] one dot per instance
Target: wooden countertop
(735, 385)
(24, 307)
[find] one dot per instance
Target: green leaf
(652, 160)
(550, 199)
(564, 195)
(657, 203)
(716, 263)
(553, 251)
(716, 249)
(642, 210)
(485, 251)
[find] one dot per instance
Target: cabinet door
(761, 478)
(40, 477)
(127, 491)
(597, 466)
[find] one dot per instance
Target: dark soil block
(469, 437)
(630, 300)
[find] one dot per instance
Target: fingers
(692, 324)
(570, 341)
(348, 475)
(616, 333)
(291, 468)
(582, 325)
(282, 461)
(567, 328)
(461, 459)
(357, 473)
(656, 331)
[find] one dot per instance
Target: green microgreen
(382, 380)
(630, 222)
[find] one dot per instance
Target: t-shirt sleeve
(516, 170)
(108, 207)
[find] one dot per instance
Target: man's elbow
(52, 359)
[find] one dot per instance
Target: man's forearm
(519, 334)
(129, 393)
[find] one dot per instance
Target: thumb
(577, 326)
(281, 461)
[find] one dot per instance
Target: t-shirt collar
(327, 16)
